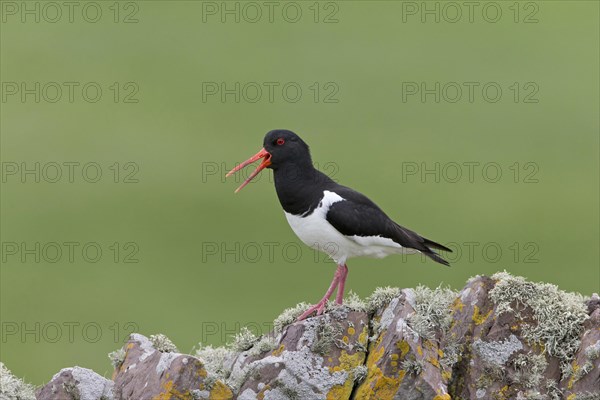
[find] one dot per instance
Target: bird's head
(281, 147)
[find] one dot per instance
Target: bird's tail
(436, 257)
(433, 255)
(435, 245)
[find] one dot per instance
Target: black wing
(358, 215)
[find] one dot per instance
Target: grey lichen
(413, 366)
(243, 340)
(552, 390)
(263, 345)
(13, 388)
(355, 303)
(529, 369)
(359, 373)
(163, 344)
(71, 389)
(117, 357)
(559, 316)
(325, 337)
(497, 353)
(288, 316)
(381, 297)
(217, 362)
(593, 351)
(432, 311)
(452, 351)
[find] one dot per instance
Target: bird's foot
(319, 308)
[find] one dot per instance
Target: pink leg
(320, 306)
(339, 298)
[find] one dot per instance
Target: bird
(329, 217)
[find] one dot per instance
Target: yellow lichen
(346, 363)
(501, 395)
(166, 394)
(220, 391)
(446, 375)
(434, 362)
(346, 339)
(278, 352)
(458, 305)
(169, 392)
(479, 318)
(261, 394)
(444, 396)
(377, 385)
(336, 392)
(403, 346)
(351, 331)
(420, 350)
(573, 375)
(363, 338)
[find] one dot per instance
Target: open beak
(264, 164)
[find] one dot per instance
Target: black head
(282, 149)
(285, 147)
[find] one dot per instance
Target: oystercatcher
(329, 217)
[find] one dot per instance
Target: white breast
(317, 233)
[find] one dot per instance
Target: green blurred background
(191, 282)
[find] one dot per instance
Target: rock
(406, 361)
(76, 384)
(499, 338)
(147, 373)
(584, 379)
(314, 359)
(496, 362)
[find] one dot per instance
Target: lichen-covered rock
(405, 360)
(514, 337)
(313, 359)
(584, 372)
(77, 384)
(148, 373)
(499, 338)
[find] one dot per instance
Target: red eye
(280, 141)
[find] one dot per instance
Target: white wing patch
(328, 199)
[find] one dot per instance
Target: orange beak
(264, 164)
